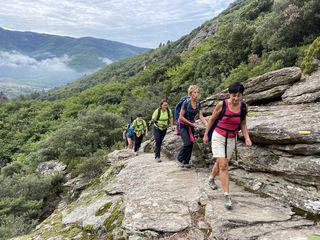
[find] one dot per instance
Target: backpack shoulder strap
(168, 112)
(223, 110)
(159, 113)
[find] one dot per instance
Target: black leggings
(158, 136)
(137, 142)
(185, 153)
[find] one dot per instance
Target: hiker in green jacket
(140, 129)
(162, 117)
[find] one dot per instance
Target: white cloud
(49, 72)
(17, 60)
(113, 19)
(106, 60)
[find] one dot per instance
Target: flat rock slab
(86, 215)
(158, 196)
(295, 124)
(164, 198)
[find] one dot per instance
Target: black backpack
(243, 113)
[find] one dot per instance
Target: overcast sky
(143, 23)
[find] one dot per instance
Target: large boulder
(272, 79)
(260, 90)
(294, 124)
(303, 170)
(305, 91)
(300, 196)
(51, 168)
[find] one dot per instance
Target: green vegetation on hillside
(80, 122)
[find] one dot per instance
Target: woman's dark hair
(162, 102)
(236, 88)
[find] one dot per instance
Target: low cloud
(46, 73)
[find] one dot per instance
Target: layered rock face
(284, 125)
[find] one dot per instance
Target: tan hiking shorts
(218, 146)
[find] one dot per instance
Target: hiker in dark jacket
(190, 109)
(162, 118)
(130, 134)
(224, 136)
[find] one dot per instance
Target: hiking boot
(187, 165)
(158, 159)
(227, 201)
(136, 153)
(180, 164)
(212, 184)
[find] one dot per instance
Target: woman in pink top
(224, 136)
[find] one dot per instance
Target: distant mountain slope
(80, 50)
(33, 62)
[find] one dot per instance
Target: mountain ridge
(58, 59)
(35, 44)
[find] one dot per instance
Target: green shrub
(241, 73)
(81, 137)
(11, 226)
(12, 168)
(91, 167)
(311, 53)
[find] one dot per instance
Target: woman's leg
(138, 143)
(157, 137)
(224, 178)
(129, 143)
(224, 175)
(162, 135)
(185, 153)
(215, 169)
(126, 142)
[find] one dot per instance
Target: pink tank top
(230, 123)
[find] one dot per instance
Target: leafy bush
(93, 130)
(313, 52)
(11, 226)
(24, 199)
(255, 8)
(92, 166)
(12, 168)
(241, 73)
